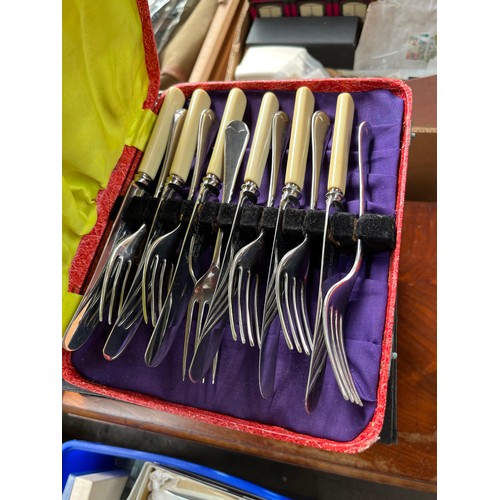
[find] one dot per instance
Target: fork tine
(124, 286)
(138, 313)
(291, 321)
(305, 317)
(116, 276)
(187, 335)
(230, 300)
(298, 314)
(332, 354)
(240, 314)
(256, 311)
(149, 290)
(247, 309)
(337, 357)
(354, 396)
(282, 290)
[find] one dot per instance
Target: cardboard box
(330, 40)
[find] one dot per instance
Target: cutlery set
(180, 281)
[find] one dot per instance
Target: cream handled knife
(86, 316)
(294, 180)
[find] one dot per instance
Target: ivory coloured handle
(234, 110)
(299, 137)
(155, 149)
(342, 131)
(186, 146)
(261, 142)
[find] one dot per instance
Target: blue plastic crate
(82, 456)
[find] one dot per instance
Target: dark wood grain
(410, 463)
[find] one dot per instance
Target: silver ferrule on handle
(211, 182)
(143, 179)
(335, 195)
(290, 192)
(250, 189)
(172, 181)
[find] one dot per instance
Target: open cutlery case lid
(82, 236)
(111, 80)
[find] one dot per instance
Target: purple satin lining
(236, 391)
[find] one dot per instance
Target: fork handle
(234, 110)
(259, 150)
(342, 130)
(181, 165)
(299, 137)
(153, 154)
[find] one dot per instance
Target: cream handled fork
(337, 175)
(247, 262)
(337, 297)
(237, 135)
(211, 291)
(292, 271)
(294, 180)
(182, 284)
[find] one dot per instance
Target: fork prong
(240, 314)
(138, 313)
(247, 309)
(282, 289)
(281, 285)
(163, 270)
(339, 336)
(341, 367)
(256, 310)
(291, 293)
(187, 335)
(124, 285)
(106, 291)
(304, 324)
(329, 330)
(300, 321)
(150, 295)
(115, 277)
(230, 301)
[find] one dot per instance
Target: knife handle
(299, 137)
(234, 110)
(153, 154)
(259, 150)
(342, 131)
(186, 146)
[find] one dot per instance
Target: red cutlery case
(234, 400)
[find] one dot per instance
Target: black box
(330, 40)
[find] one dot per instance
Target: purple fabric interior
(236, 391)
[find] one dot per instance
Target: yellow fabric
(104, 86)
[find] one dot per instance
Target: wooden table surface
(410, 463)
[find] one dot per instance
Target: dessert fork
(337, 297)
(292, 271)
(248, 260)
(236, 140)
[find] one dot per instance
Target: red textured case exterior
(123, 173)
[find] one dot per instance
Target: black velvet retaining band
(378, 232)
